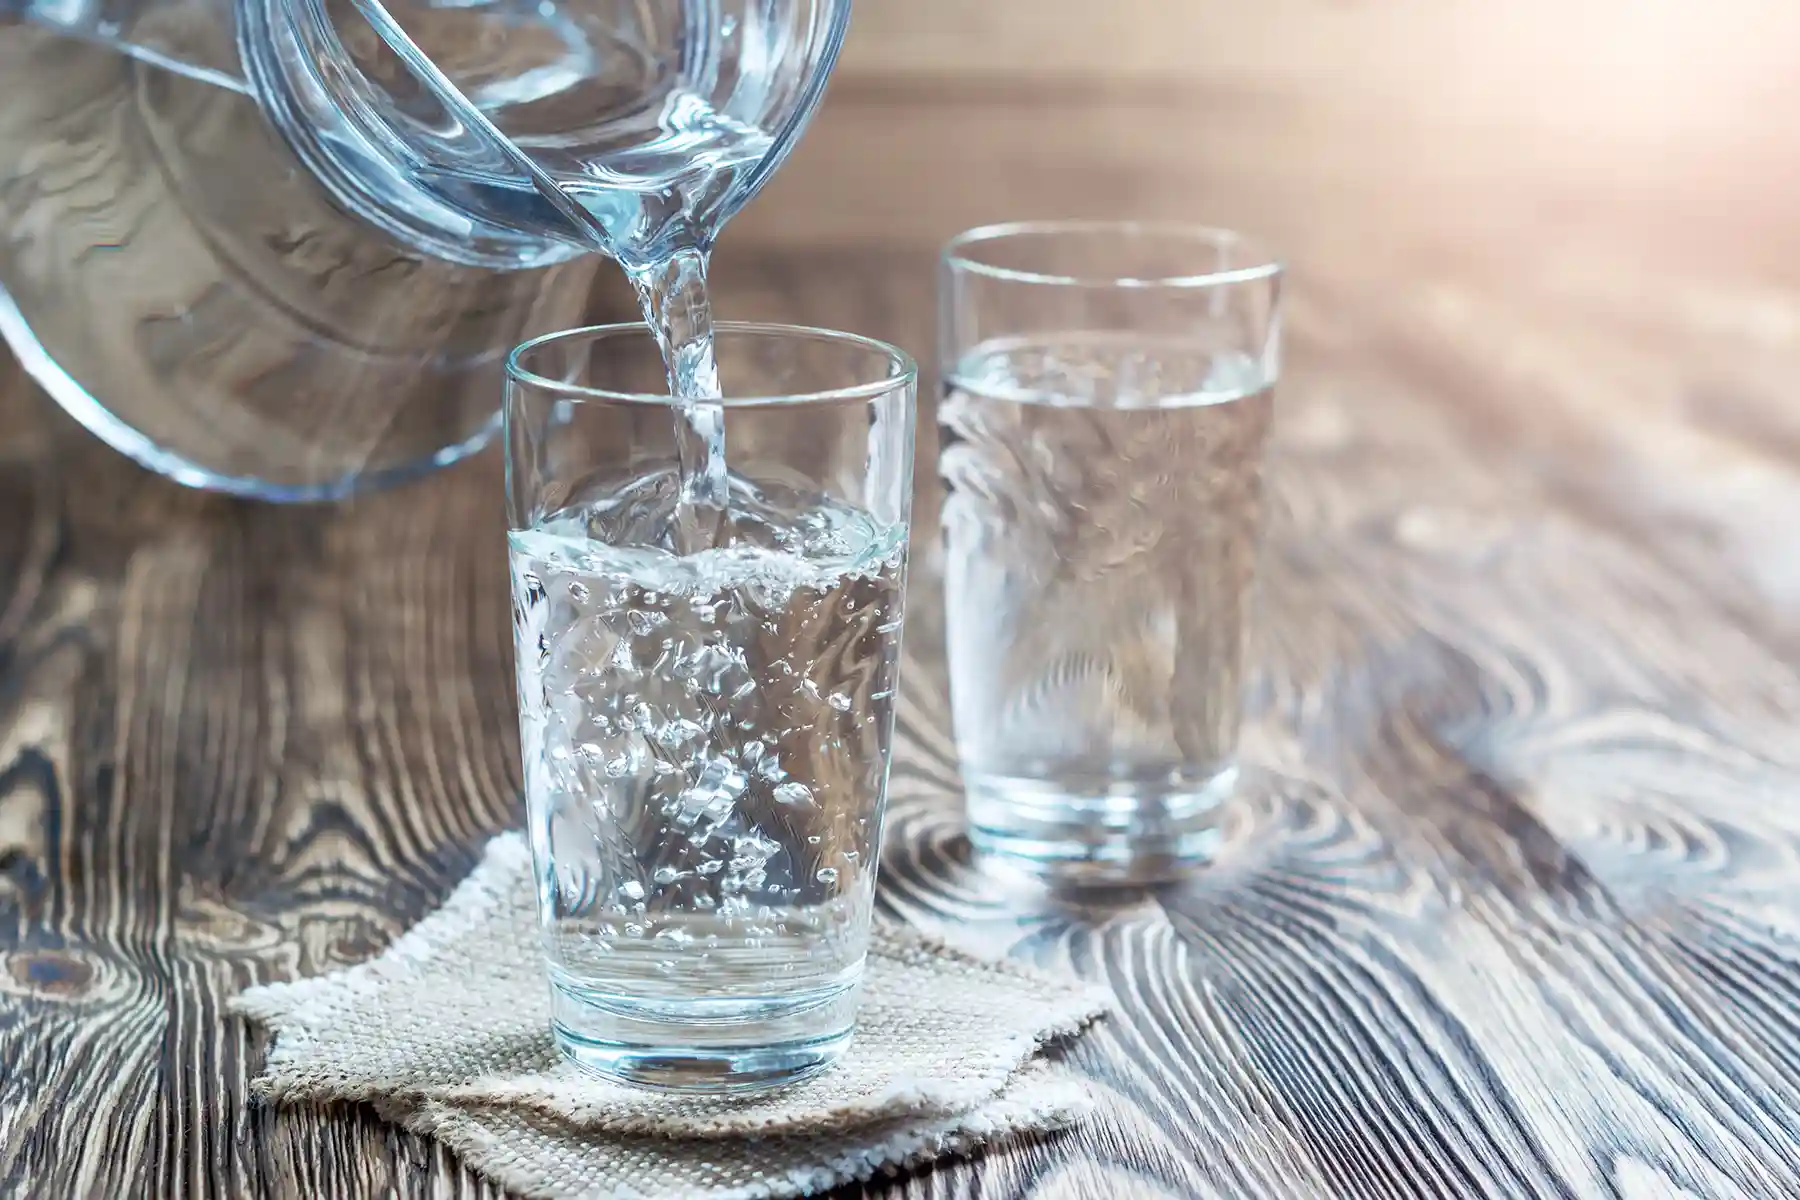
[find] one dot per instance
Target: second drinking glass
(1107, 400)
(707, 726)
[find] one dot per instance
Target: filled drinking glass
(1108, 391)
(706, 691)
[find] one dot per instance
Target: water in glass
(1101, 520)
(703, 734)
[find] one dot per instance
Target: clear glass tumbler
(707, 734)
(1107, 400)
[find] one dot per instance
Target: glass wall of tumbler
(706, 692)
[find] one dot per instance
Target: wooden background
(1511, 905)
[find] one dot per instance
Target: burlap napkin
(447, 1032)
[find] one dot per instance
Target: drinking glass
(1107, 399)
(707, 735)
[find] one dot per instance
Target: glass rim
(906, 371)
(1269, 266)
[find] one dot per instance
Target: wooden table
(1510, 905)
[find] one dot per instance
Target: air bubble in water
(839, 701)
(711, 797)
(793, 793)
(643, 622)
(676, 732)
(826, 875)
(664, 875)
(631, 889)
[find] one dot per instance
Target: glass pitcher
(282, 247)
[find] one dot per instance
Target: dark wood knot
(53, 974)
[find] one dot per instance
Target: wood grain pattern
(1509, 905)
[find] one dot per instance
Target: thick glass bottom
(1132, 832)
(705, 1045)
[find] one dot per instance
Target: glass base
(707, 1045)
(1133, 833)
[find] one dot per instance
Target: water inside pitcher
(282, 247)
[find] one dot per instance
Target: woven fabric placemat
(447, 1032)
